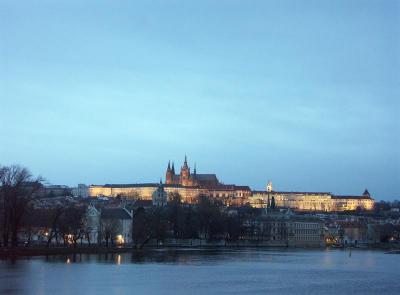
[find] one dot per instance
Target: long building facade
(311, 201)
(188, 185)
(191, 185)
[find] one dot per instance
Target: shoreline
(54, 251)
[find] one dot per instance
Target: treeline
(207, 220)
(17, 190)
(68, 225)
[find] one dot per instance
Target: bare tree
(18, 188)
(71, 224)
(109, 228)
(54, 219)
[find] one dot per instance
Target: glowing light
(120, 239)
(118, 259)
(70, 239)
(68, 261)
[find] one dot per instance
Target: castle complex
(311, 201)
(185, 178)
(190, 185)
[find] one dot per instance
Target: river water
(191, 271)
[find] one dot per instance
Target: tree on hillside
(17, 190)
(158, 223)
(273, 205)
(209, 217)
(141, 228)
(175, 214)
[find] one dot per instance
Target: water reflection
(176, 271)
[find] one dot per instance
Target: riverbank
(44, 251)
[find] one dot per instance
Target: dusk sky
(303, 93)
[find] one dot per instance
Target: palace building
(185, 178)
(311, 201)
(190, 185)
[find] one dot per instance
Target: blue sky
(304, 93)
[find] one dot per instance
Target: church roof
(206, 177)
(113, 185)
(229, 187)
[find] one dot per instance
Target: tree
(18, 188)
(141, 230)
(71, 224)
(273, 205)
(158, 224)
(54, 217)
(233, 227)
(175, 214)
(109, 228)
(210, 217)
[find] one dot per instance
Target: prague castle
(311, 201)
(185, 178)
(189, 185)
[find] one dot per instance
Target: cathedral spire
(173, 167)
(185, 164)
(169, 166)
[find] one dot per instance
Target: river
(196, 271)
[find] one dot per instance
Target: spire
(185, 164)
(194, 170)
(173, 167)
(169, 167)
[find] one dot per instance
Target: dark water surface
(206, 272)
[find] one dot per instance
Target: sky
(303, 93)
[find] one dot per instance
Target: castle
(191, 185)
(311, 201)
(185, 178)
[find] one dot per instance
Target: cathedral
(186, 178)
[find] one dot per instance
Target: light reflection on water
(197, 271)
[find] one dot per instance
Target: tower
(269, 186)
(185, 173)
(169, 176)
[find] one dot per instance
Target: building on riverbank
(108, 225)
(287, 229)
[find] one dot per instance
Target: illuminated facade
(188, 185)
(185, 178)
(311, 201)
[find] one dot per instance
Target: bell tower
(169, 176)
(269, 186)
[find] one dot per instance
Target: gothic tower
(169, 176)
(185, 173)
